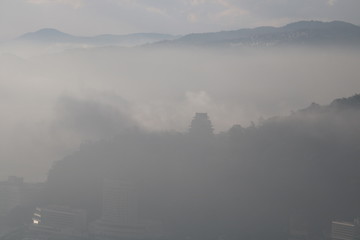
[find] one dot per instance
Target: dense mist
(245, 134)
(54, 102)
(179, 120)
(246, 182)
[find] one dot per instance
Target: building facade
(119, 203)
(58, 221)
(119, 219)
(345, 230)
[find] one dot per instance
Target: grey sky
(91, 17)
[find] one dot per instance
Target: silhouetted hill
(53, 36)
(303, 33)
(304, 164)
(351, 102)
(298, 33)
(47, 35)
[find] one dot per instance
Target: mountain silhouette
(53, 36)
(47, 35)
(297, 33)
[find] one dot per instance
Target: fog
(179, 120)
(205, 142)
(51, 103)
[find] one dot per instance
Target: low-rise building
(58, 221)
(119, 218)
(341, 230)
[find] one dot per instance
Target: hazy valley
(222, 135)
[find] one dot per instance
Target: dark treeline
(244, 183)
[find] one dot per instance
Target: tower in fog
(201, 126)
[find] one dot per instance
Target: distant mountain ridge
(45, 35)
(52, 36)
(297, 33)
(302, 33)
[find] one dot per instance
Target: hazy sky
(91, 17)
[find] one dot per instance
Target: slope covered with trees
(246, 182)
